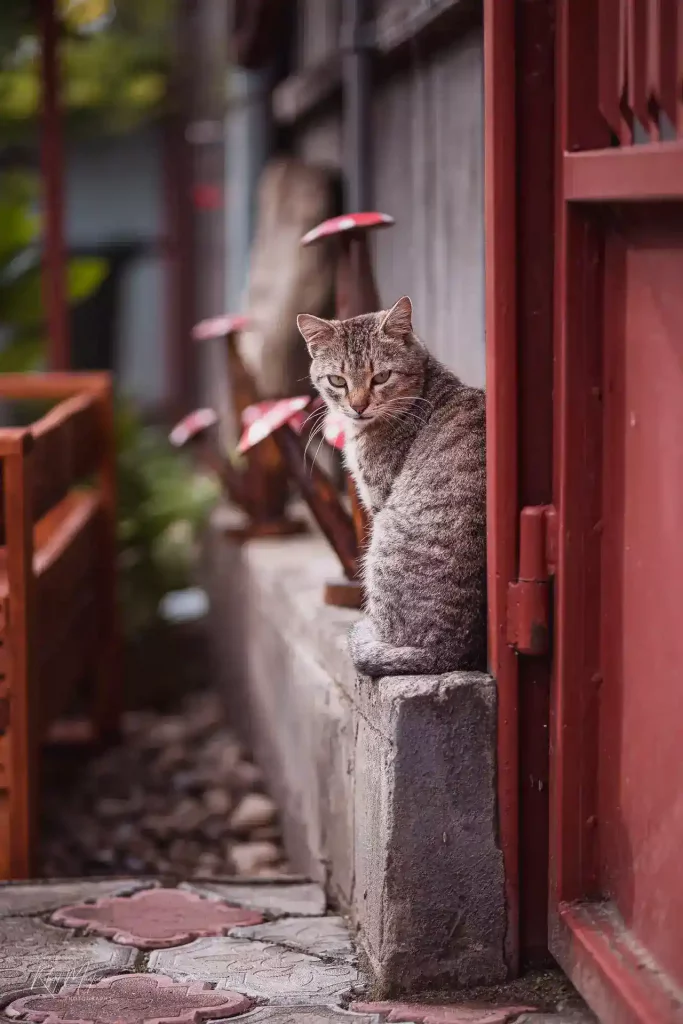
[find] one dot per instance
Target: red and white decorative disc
(219, 327)
(191, 425)
(264, 418)
(347, 222)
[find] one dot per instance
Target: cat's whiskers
(319, 411)
(317, 452)
(393, 417)
(403, 414)
(411, 398)
(317, 428)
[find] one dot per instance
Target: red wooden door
(616, 807)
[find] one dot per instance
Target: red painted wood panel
(640, 776)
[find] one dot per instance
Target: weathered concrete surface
(387, 788)
(20, 898)
(39, 956)
(259, 970)
(309, 1015)
(273, 899)
(326, 937)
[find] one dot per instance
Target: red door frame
(519, 202)
(501, 422)
(588, 175)
(595, 951)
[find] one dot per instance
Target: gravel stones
(177, 796)
(255, 810)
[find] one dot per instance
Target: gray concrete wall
(387, 787)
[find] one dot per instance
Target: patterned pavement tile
(36, 954)
(155, 919)
(130, 999)
(561, 1017)
(17, 900)
(276, 899)
(258, 969)
(320, 936)
(307, 1015)
(416, 1013)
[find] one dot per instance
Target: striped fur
(419, 459)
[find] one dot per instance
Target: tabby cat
(416, 446)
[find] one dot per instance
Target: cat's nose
(359, 405)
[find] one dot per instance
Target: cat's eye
(381, 378)
(336, 381)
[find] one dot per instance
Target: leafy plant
(22, 319)
(163, 504)
(114, 59)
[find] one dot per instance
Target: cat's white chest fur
(351, 462)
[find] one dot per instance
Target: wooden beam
(393, 38)
(652, 171)
(308, 91)
(401, 25)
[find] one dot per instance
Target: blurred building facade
(390, 95)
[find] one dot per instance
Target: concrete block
(430, 864)
(387, 788)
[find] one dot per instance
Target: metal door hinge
(528, 604)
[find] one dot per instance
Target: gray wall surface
(114, 191)
(429, 174)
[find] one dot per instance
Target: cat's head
(369, 367)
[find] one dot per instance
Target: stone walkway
(123, 952)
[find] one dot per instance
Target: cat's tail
(373, 657)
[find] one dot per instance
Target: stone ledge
(387, 787)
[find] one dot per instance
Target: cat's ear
(399, 320)
(317, 333)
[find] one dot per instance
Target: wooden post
(22, 734)
(54, 272)
(108, 694)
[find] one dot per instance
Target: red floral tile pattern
(130, 999)
(156, 918)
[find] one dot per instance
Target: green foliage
(114, 69)
(21, 308)
(162, 501)
(163, 504)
